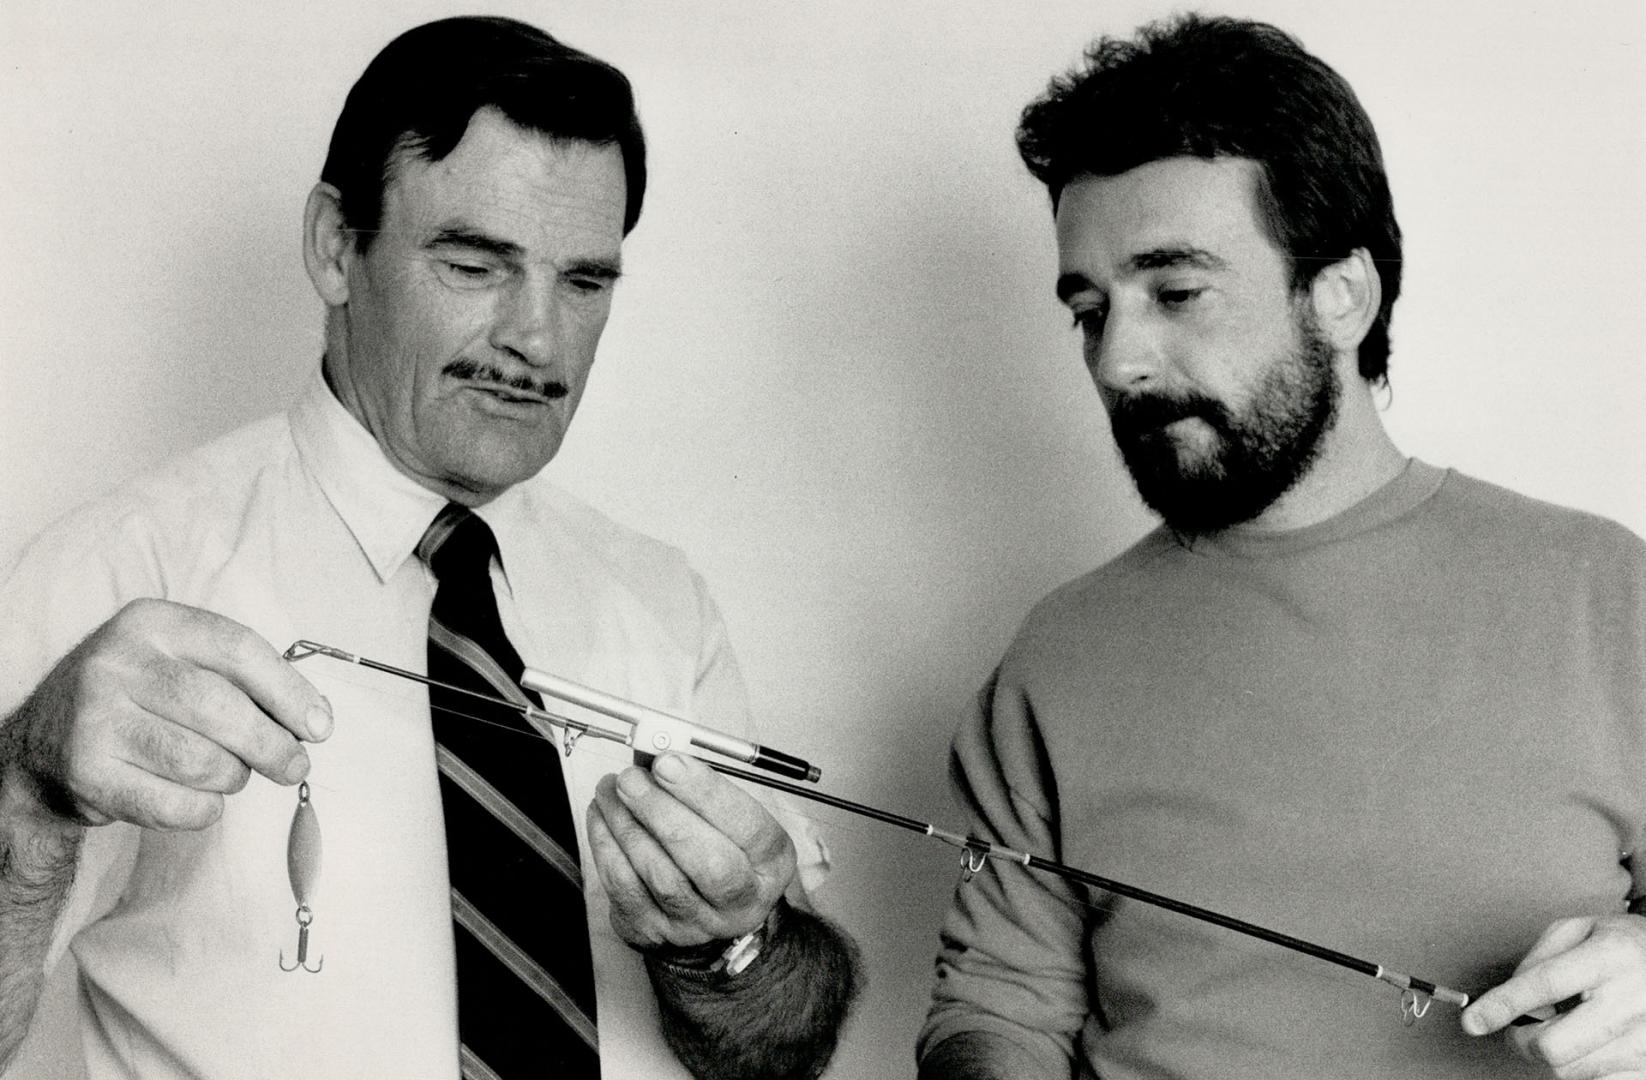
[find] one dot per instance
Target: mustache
(1142, 414)
(464, 368)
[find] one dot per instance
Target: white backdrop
(835, 373)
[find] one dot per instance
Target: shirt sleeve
(1011, 961)
(68, 581)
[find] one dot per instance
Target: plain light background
(835, 373)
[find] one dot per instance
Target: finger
(1620, 1058)
(1558, 1041)
(647, 851)
(142, 798)
(1607, 1029)
(720, 872)
(657, 889)
(1560, 936)
(1546, 983)
(203, 702)
(730, 810)
(242, 657)
(176, 754)
(634, 916)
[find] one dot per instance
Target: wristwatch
(724, 959)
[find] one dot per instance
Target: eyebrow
(1168, 257)
(1161, 258)
(474, 240)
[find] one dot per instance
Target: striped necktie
(525, 978)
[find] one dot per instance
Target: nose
(1126, 354)
(527, 320)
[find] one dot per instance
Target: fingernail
(297, 766)
(320, 720)
(670, 768)
(631, 782)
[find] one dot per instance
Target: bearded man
(1341, 693)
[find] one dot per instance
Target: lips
(1151, 416)
(518, 396)
(1179, 427)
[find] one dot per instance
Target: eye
(1178, 297)
(590, 285)
(462, 274)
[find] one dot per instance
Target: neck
(334, 364)
(1356, 458)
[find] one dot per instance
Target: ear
(328, 245)
(1345, 297)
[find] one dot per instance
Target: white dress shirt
(299, 527)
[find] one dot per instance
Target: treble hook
(304, 918)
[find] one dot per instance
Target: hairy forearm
(777, 1020)
(978, 1055)
(38, 851)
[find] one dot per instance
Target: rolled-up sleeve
(1011, 962)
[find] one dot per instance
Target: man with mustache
(1340, 693)
(481, 906)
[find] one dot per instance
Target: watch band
(725, 959)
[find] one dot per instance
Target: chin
(486, 479)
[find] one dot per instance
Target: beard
(1257, 451)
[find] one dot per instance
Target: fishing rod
(649, 732)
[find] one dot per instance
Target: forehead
(554, 198)
(1105, 222)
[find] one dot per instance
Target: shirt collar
(385, 509)
(509, 516)
(1413, 486)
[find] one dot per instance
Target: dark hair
(417, 96)
(1209, 87)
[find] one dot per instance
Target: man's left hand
(685, 856)
(1601, 962)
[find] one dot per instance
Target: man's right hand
(160, 713)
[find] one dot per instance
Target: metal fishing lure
(303, 867)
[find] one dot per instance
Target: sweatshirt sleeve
(1011, 962)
